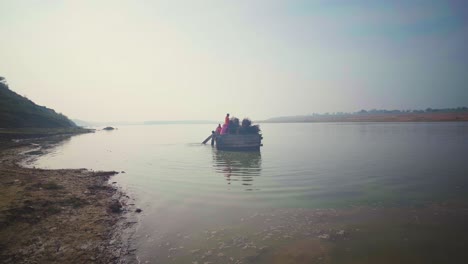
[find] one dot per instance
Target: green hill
(17, 111)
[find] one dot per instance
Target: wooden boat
(239, 142)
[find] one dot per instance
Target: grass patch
(99, 187)
(51, 186)
(105, 173)
(35, 152)
(30, 212)
(74, 202)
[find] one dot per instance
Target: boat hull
(233, 142)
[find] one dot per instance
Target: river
(315, 193)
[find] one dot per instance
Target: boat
(238, 142)
(236, 136)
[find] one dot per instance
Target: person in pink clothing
(224, 130)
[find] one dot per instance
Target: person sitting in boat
(218, 129)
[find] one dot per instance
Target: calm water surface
(315, 193)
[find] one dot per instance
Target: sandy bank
(58, 216)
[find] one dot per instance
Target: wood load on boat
(236, 136)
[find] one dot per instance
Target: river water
(315, 193)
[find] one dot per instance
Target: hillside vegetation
(374, 115)
(17, 111)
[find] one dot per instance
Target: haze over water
(316, 192)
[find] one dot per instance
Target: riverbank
(8, 134)
(60, 216)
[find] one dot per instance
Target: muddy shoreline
(59, 216)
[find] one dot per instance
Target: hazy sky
(178, 60)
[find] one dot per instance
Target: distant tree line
(385, 111)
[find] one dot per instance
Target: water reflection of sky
(194, 196)
(240, 167)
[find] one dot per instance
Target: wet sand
(435, 233)
(58, 216)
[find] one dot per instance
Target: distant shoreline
(461, 116)
(403, 117)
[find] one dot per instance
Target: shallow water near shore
(315, 193)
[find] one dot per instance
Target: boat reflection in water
(238, 166)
